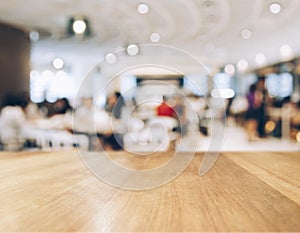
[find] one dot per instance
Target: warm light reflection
(298, 136)
(270, 126)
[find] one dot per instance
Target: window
(196, 83)
(222, 81)
(50, 85)
(128, 86)
(280, 85)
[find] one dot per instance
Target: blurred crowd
(124, 123)
(264, 115)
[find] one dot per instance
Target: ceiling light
(275, 8)
(79, 26)
(270, 126)
(132, 50)
(111, 58)
(260, 58)
(143, 8)
(34, 36)
(58, 63)
(155, 37)
(286, 51)
(242, 65)
(229, 69)
(246, 34)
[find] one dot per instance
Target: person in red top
(164, 109)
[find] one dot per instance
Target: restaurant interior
(150, 116)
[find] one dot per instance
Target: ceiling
(209, 30)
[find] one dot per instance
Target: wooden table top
(54, 191)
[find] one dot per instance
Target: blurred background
(149, 75)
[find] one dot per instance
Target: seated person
(164, 109)
(115, 103)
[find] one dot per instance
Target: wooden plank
(278, 169)
(56, 192)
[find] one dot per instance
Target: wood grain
(278, 169)
(54, 191)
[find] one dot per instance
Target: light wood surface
(54, 191)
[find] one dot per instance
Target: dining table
(56, 191)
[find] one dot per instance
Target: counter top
(246, 191)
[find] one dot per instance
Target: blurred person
(45, 108)
(198, 104)
(86, 106)
(239, 105)
(12, 121)
(113, 140)
(92, 121)
(83, 116)
(253, 113)
(61, 106)
(60, 116)
(262, 99)
(114, 104)
(164, 109)
(33, 112)
(179, 113)
(229, 103)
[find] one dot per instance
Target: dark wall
(14, 60)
